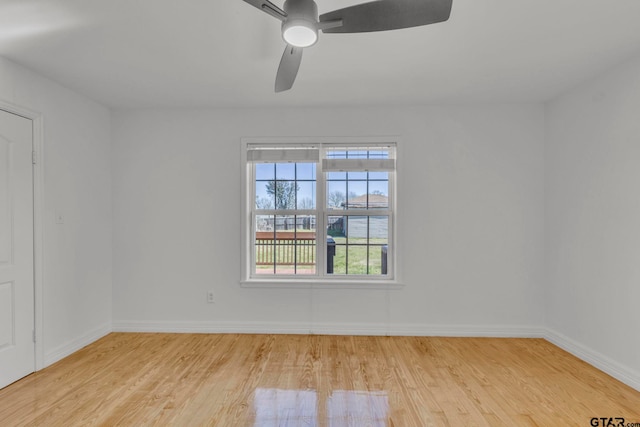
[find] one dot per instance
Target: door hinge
(34, 157)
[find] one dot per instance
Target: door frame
(38, 224)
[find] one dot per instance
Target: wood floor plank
(297, 380)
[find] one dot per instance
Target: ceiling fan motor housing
(301, 26)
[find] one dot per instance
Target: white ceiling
(221, 53)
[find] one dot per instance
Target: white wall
(593, 220)
(470, 222)
(77, 183)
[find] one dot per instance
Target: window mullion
(321, 221)
(253, 219)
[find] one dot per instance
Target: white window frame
(320, 279)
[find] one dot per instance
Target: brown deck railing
(286, 248)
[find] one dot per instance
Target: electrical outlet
(211, 297)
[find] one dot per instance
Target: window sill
(321, 284)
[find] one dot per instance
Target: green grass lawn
(352, 258)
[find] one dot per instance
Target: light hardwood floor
(297, 380)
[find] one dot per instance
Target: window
(319, 211)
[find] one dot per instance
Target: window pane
(376, 254)
(336, 226)
(357, 229)
(285, 249)
(379, 230)
(306, 171)
(336, 194)
(306, 197)
(265, 171)
(264, 200)
(356, 239)
(378, 201)
(286, 171)
(357, 194)
(356, 259)
(306, 253)
(284, 193)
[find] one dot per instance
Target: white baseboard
(605, 364)
(72, 346)
(222, 327)
(379, 329)
(485, 331)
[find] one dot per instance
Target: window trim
(390, 281)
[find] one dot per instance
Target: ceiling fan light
(299, 33)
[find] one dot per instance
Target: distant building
(371, 201)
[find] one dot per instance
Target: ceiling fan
(300, 24)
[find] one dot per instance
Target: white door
(17, 355)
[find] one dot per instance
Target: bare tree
(306, 203)
(336, 199)
(284, 193)
(264, 203)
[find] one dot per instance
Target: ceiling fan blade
(385, 15)
(288, 69)
(268, 7)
